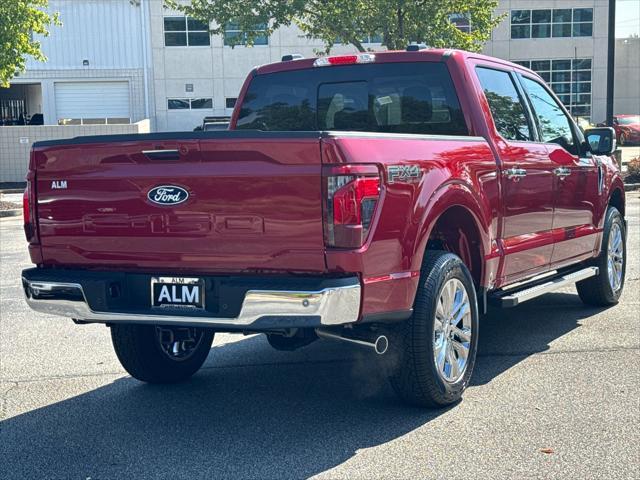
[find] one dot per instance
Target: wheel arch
(617, 198)
(457, 220)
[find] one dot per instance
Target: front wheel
(605, 289)
(158, 354)
(435, 350)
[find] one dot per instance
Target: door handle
(162, 154)
(562, 172)
(515, 173)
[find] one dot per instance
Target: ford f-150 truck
(380, 199)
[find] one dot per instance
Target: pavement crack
(3, 401)
(557, 352)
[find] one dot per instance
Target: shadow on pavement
(261, 420)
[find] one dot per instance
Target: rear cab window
(417, 97)
(506, 105)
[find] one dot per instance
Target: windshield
(629, 120)
(388, 97)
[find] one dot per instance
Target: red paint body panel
(256, 204)
(253, 206)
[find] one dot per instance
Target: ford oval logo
(167, 195)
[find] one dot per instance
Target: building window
(461, 21)
(189, 103)
(234, 36)
(230, 102)
(185, 32)
(559, 22)
(569, 78)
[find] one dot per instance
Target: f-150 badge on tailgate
(403, 173)
(167, 195)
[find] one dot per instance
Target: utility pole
(611, 60)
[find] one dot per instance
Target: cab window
(553, 123)
(506, 106)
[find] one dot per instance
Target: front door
(577, 180)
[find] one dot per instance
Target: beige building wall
(16, 142)
(627, 77)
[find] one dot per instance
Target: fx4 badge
(403, 173)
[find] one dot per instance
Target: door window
(505, 104)
(554, 125)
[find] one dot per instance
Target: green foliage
(399, 22)
(19, 20)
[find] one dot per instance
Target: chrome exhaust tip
(380, 344)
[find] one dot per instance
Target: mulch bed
(9, 205)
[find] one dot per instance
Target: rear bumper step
(512, 298)
(333, 303)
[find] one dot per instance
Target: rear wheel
(623, 139)
(605, 288)
(157, 354)
(435, 350)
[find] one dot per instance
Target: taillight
(352, 194)
(345, 59)
(28, 213)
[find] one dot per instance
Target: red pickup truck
(380, 199)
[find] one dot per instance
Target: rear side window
(389, 97)
(553, 123)
(506, 105)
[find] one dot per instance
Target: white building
(95, 72)
(123, 60)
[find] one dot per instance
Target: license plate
(177, 292)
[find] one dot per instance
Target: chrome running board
(511, 298)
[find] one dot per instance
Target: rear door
(526, 178)
(577, 179)
(218, 202)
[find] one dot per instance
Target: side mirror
(601, 141)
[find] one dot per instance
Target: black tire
(598, 291)
(623, 140)
(414, 375)
(140, 352)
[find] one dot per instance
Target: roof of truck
(426, 54)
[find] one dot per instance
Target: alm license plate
(177, 292)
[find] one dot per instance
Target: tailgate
(214, 202)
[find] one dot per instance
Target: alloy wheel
(452, 331)
(615, 257)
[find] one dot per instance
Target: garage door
(92, 102)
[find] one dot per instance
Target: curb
(630, 187)
(11, 190)
(11, 213)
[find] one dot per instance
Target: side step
(511, 298)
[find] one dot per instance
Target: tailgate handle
(162, 154)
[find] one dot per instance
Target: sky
(627, 18)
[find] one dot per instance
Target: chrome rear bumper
(261, 309)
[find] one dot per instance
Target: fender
(457, 193)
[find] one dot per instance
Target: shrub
(633, 171)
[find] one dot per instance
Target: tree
(397, 22)
(19, 20)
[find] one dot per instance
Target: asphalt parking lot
(555, 394)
